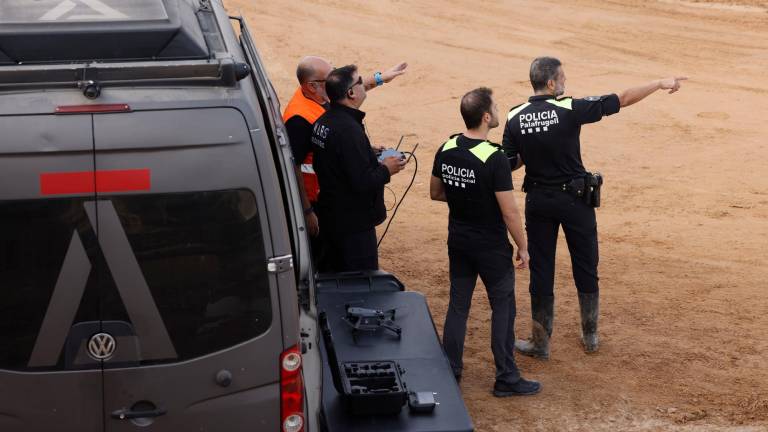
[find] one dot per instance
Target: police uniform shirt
(472, 171)
(545, 133)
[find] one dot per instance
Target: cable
(397, 207)
(394, 195)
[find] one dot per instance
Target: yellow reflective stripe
(517, 110)
(451, 143)
(562, 103)
(484, 150)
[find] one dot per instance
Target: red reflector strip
(104, 181)
(66, 183)
(123, 181)
(92, 109)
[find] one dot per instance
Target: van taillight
(93, 109)
(291, 391)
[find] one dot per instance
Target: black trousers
(497, 272)
(545, 212)
(349, 251)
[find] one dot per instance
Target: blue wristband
(377, 77)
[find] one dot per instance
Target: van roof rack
(61, 31)
(222, 72)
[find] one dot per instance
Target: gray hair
(543, 69)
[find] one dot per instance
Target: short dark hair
(474, 105)
(339, 81)
(543, 69)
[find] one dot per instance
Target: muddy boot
(589, 305)
(542, 311)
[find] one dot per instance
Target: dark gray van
(152, 245)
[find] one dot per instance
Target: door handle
(129, 414)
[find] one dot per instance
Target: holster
(594, 184)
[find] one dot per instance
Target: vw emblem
(101, 346)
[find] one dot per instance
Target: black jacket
(351, 178)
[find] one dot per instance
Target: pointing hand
(394, 72)
(672, 84)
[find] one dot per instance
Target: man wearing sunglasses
(351, 199)
(308, 103)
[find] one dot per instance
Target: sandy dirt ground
(684, 225)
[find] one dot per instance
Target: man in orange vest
(308, 103)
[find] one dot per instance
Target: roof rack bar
(224, 72)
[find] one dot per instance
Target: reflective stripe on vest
(482, 151)
(517, 110)
(310, 111)
(566, 103)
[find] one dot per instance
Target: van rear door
(186, 241)
(49, 314)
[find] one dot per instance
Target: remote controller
(390, 153)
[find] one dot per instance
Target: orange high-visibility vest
(310, 111)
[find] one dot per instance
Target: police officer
(474, 177)
(543, 134)
(351, 200)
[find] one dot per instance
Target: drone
(371, 320)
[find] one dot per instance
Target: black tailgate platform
(418, 351)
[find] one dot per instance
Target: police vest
(468, 183)
(310, 111)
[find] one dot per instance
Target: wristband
(309, 210)
(379, 80)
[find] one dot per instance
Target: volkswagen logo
(101, 346)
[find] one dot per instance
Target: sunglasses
(359, 81)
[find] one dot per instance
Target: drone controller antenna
(402, 137)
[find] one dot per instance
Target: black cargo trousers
(545, 211)
(496, 270)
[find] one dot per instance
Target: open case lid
(43, 31)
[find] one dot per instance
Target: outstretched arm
(636, 94)
(386, 76)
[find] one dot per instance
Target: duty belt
(561, 187)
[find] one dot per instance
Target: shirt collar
(355, 113)
(540, 98)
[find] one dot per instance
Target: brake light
(93, 109)
(291, 391)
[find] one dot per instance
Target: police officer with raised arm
(474, 177)
(543, 134)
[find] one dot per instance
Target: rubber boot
(542, 312)
(589, 305)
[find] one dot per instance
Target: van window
(34, 238)
(202, 256)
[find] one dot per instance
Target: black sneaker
(522, 387)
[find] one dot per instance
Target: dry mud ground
(684, 226)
